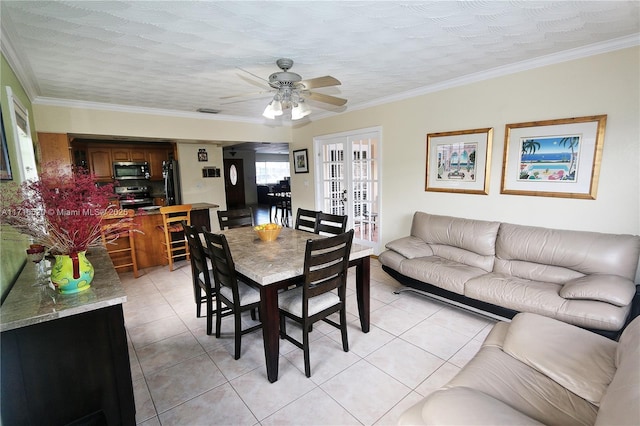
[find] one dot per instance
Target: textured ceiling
(184, 55)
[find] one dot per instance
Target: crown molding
(66, 103)
(20, 68)
(554, 58)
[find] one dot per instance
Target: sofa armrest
(579, 360)
(410, 247)
(612, 289)
(463, 406)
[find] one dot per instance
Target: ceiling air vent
(208, 110)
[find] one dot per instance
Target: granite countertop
(27, 304)
(269, 262)
(194, 206)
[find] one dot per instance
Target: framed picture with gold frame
(553, 158)
(459, 161)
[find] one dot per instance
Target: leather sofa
(537, 370)
(581, 278)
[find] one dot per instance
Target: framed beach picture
(459, 161)
(554, 158)
(300, 161)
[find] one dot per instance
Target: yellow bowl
(268, 234)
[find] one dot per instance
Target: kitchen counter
(149, 238)
(194, 207)
(27, 304)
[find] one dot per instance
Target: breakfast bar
(64, 358)
(148, 249)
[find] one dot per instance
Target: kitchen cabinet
(55, 154)
(100, 156)
(155, 157)
(128, 154)
(100, 162)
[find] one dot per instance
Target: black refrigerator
(171, 183)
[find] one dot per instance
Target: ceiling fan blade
(245, 95)
(314, 83)
(246, 98)
(256, 76)
(326, 98)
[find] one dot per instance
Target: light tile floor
(181, 376)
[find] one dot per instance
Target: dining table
(271, 266)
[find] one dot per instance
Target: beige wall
(57, 119)
(195, 188)
(604, 84)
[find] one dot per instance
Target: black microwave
(123, 170)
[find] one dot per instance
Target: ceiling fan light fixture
(276, 106)
(300, 110)
(268, 112)
(273, 110)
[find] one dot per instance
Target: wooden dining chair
(323, 293)
(238, 296)
(306, 220)
(330, 224)
(204, 290)
(238, 218)
(172, 218)
(116, 227)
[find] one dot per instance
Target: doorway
(348, 176)
(234, 183)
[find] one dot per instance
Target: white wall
(603, 84)
(195, 188)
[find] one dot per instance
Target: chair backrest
(326, 262)
(196, 249)
(229, 219)
(224, 270)
(330, 224)
(115, 223)
(177, 213)
(306, 220)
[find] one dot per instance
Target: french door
(348, 176)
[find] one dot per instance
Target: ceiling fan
(291, 91)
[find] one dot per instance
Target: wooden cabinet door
(120, 154)
(138, 154)
(100, 163)
(55, 154)
(156, 156)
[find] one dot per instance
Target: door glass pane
(333, 179)
(349, 176)
(233, 174)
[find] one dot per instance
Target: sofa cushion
(465, 406)
(535, 271)
(475, 236)
(410, 247)
(605, 288)
(504, 378)
(523, 295)
(444, 273)
(620, 404)
(391, 259)
(585, 252)
(580, 361)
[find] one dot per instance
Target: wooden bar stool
(172, 216)
(118, 225)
